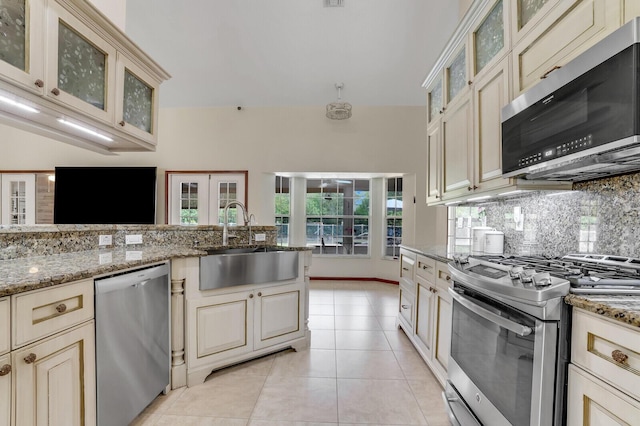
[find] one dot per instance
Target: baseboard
(382, 280)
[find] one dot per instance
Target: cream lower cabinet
(55, 380)
(5, 389)
(604, 375)
(224, 329)
(430, 327)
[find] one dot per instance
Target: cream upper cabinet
(525, 14)
(81, 66)
(631, 10)
(21, 44)
(457, 148)
(456, 76)
(566, 31)
(490, 37)
(490, 93)
(435, 101)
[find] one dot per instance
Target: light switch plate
(133, 239)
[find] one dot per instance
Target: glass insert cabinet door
(21, 43)
(527, 9)
(489, 37)
(81, 67)
(457, 75)
(435, 100)
(18, 199)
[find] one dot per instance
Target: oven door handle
(519, 329)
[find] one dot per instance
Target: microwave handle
(519, 329)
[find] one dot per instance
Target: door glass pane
(137, 103)
(435, 100)
(527, 9)
(13, 27)
(18, 203)
(81, 67)
(189, 203)
(489, 37)
(457, 75)
(227, 191)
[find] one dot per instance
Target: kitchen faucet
(225, 231)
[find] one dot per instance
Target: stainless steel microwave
(582, 121)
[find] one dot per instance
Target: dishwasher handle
(135, 278)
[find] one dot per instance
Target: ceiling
(292, 52)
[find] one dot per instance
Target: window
(337, 213)
(283, 209)
(394, 217)
(461, 220)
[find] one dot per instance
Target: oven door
(502, 361)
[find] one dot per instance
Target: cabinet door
(526, 14)
(457, 148)
(219, 327)
(279, 314)
(434, 161)
(80, 66)
(22, 43)
(405, 309)
(490, 94)
(443, 328)
(457, 76)
(55, 380)
(5, 324)
(5, 390)
(565, 32)
(18, 205)
(435, 101)
(490, 38)
(136, 100)
(424, 315)
(631, 10)
(593, 402)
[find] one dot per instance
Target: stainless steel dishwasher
(132, 342)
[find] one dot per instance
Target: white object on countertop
(494, 242)
(477, 238)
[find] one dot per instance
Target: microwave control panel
(560, 150)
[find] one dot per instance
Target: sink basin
(227, 267)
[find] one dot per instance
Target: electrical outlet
(261, 237)
(133, 255)
(105, 258)
(105, 240)
(133, 239)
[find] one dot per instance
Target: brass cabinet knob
(55, 91)
(259, 293)
(39, 83)
(61, 308)
(122, 123)
(251, 296)
(30, 359)
(5, 369)
(448, 278)
(619, 356)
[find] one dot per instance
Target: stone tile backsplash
(601, 216)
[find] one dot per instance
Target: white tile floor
(359, 369)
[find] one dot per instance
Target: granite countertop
(438, 253)
(34, 272)
(625, 309)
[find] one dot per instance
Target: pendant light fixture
(339, 110)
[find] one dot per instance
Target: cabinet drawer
(407, 263)
(592, 402)
(406, 306)
(5, 326)
(610, 350)
(443, 279)
(40, 313)
(425, 268)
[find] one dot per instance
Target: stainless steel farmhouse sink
(228, 267)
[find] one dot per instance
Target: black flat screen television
(105, 195)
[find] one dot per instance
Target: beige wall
(264, 141)
(464, 6)
(115, 10)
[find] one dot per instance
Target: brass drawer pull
(405, 269)
(619, 356)
(406, 306)
(5, 369)
(61, 308)
(546, 74)
(30, 359)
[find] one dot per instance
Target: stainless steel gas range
(510, 345)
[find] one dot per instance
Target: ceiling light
(84, 129)
(339, 110)
(17, 104)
